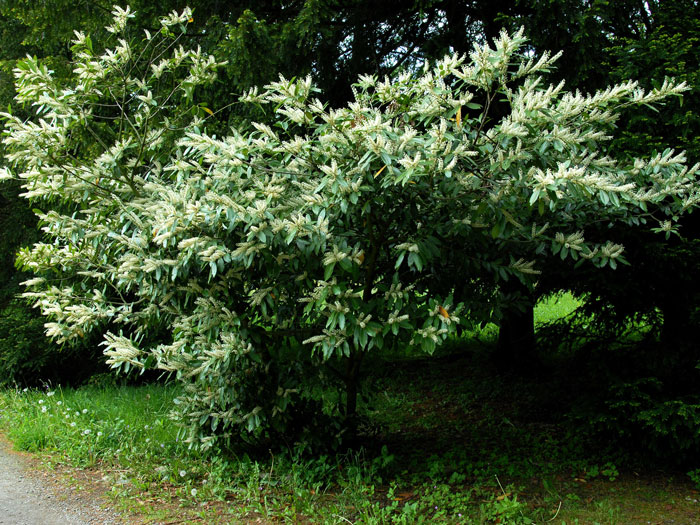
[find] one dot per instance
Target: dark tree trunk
(516, 351)
(676, 329)
(352, 380)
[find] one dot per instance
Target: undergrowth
(445, 440)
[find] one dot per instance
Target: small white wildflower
(43, 409)
(41, 401)
(72, 424)
(183, 473)
(99, 434)
(59, 403)
(84, 410)
(49, 394)
(86, 431)
(148, 440)
(194, 493)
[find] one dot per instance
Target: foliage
(694, 476)
(665, 48)
(625, 389)
(332, 226)
(587, 33)
(15, 216)
(27, 358)
(609, 470)
(258, 40)
(639, 412)
(607, 42)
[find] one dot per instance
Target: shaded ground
(492, 436)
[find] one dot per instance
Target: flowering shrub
(286, 251)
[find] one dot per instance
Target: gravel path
(26, 499)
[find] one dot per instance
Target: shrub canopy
(286, 249)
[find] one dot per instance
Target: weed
(608, 470)
(694, 476)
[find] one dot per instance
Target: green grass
(92, 423)
(445, 440)
(125, 431)
(555, 307)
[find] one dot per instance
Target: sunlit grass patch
(91, 423)
(555, 307)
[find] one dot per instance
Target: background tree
(603, 43)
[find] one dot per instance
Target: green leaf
(535, 195)
(399, 260)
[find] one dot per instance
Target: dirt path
(28, 498)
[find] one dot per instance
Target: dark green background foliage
(646, 391)
(26, 356)
(28, 359)
(646, 394)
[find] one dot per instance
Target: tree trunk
(676, 325)
(352, 380)
(515, 351)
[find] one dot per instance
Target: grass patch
(555, 307)
(92, 424)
